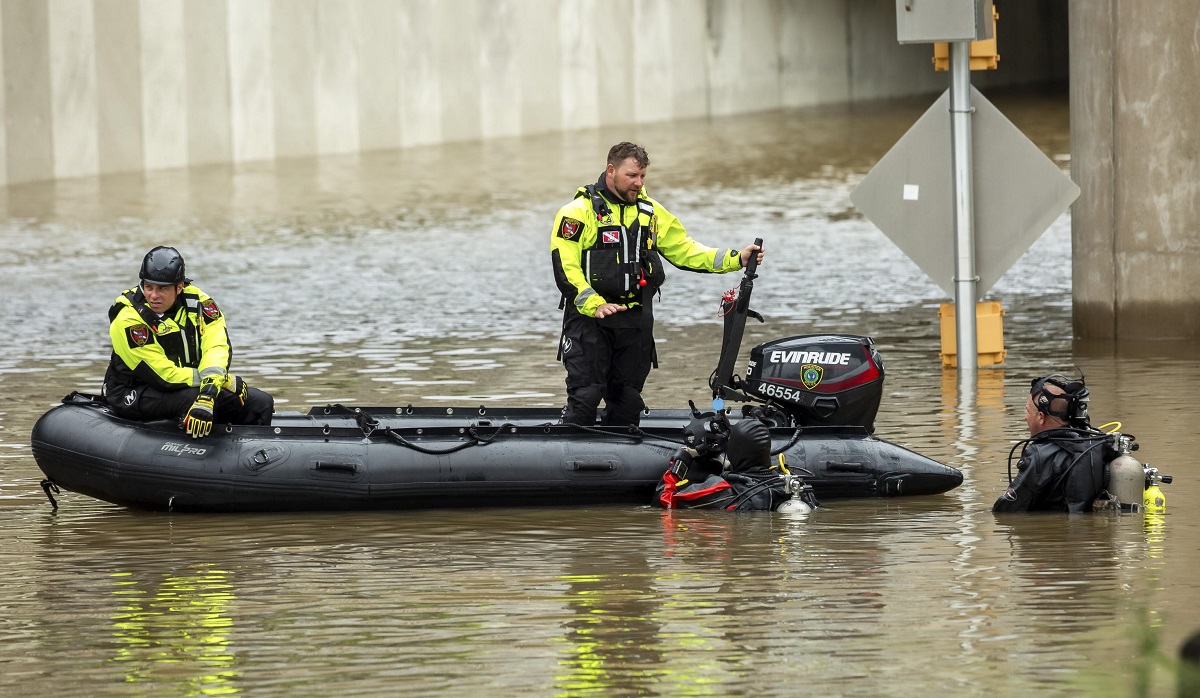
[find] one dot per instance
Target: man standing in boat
(171, 354)
(1062, 466)
(606, 249)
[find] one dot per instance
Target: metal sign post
(965, 280)
(919, 202)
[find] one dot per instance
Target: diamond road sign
(909, 194)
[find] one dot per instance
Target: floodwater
(421, 276)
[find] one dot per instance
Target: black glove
(238, 387)
(199, 419)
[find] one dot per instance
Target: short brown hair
(625, 150)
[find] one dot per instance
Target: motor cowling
(819, 379)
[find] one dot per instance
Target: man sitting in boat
(1062, 465)
(748, 484)
(171, 354)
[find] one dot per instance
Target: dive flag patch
(611, 236)
(569, 228)
(139, 335)
(210, 309)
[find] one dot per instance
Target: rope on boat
(476, 440)
(369, 425)
(790, 443)
(629, 432)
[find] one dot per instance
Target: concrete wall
(99, 86)
(1135, 94)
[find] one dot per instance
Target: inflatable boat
(337, 458)
(818, 394)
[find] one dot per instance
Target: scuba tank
(1133, 484)
(802, 500)
(1126, 476)
(1153, 499)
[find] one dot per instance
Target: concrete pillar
(1135, 153)
(29, 145)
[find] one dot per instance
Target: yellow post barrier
(989, 333)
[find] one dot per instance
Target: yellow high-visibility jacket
(179, 350)
(602, 249)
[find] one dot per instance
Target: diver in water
(697, 481)
(1062, 465)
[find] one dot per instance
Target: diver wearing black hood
(748, 484)
(755, 487)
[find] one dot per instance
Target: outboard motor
(819, 379)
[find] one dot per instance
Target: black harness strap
(562, 333)
(148, 316)
(191, 304)
(599, 205)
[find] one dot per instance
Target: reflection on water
(421, 276)
(173, 633)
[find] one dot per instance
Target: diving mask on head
(1071, 405)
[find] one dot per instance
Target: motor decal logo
(210, 309)
(1010, 495)
(569, 228)
(138, 335)
(832, 358)
(187, 450)
(611, 236)
(810, 375)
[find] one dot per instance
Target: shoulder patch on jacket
(138, 336)
(210, 309)
(569, 228)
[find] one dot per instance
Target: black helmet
(163, 265)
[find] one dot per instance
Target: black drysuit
(1060, 470)
(748, 485)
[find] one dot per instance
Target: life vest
(623, 264)
(183, 336)
(177, 333)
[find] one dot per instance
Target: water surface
(422, 276)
